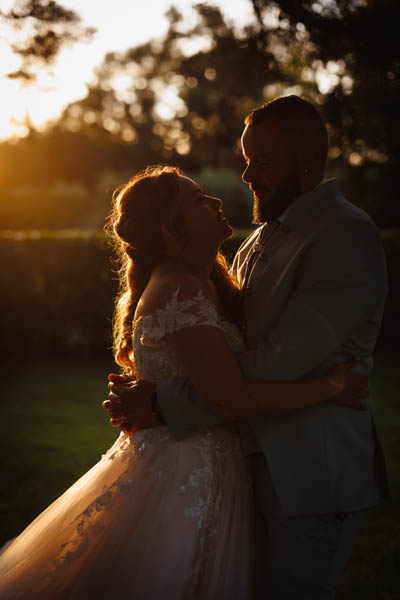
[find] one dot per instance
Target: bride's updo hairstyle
(140, 208)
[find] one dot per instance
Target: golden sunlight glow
(24, 103)
(13, 112)
(127, 24)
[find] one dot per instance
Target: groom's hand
(129, 403)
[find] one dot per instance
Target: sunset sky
(120, 24)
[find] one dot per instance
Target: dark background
(58, 281)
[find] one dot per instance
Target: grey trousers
(299, 557)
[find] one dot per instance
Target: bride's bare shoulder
(164, 282)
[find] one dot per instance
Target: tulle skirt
(154, 518)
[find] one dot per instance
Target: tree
(212, 90)
(41, 28)
(164, 101)
(292, 46)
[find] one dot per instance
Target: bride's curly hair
(139, 208)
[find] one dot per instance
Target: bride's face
(204, 220)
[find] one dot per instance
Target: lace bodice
(155, 360)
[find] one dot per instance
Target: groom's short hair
(300, 121)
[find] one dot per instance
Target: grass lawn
(54, 429)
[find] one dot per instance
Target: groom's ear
(310, 170)
(303, 159)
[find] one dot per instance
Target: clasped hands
(129, 403)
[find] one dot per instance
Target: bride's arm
(214, 370)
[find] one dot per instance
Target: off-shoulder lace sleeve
(155, 359)
(178, 314)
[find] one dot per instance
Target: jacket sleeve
(342, 279)
(184, 409)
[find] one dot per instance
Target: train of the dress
(154, 518)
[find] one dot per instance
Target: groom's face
(272, 171)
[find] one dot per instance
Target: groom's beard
(284, 195)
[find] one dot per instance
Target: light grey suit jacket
(315, 296)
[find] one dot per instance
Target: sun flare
(129, 24)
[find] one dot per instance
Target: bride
(156, 518)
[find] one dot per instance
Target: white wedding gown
(154, 518)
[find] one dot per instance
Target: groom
(314, 284)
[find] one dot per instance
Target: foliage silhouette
(41, 29)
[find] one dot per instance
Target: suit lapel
(263, 247)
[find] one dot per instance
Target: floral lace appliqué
(155, 359)
(201, 489)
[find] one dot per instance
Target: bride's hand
(350, 387)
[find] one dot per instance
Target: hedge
(57, 293)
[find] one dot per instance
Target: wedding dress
(154, 518)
